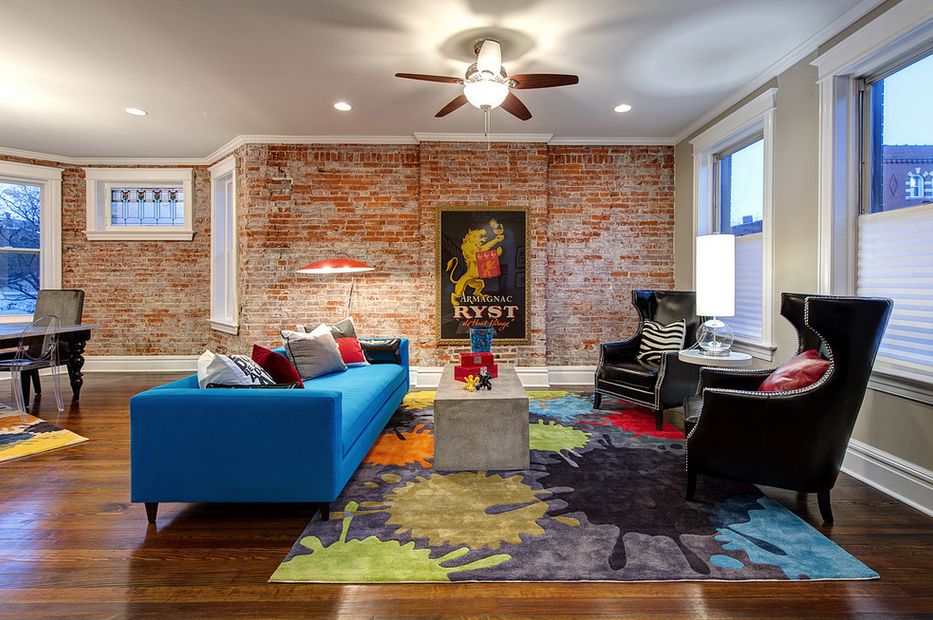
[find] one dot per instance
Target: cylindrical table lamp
(715, 287)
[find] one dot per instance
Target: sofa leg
(691, 485)
(597, 400)
(152, 509)
(826, 509)
(324, 507)
(659, 419)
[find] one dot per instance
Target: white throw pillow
(230, 370)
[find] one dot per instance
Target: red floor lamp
(336, 266)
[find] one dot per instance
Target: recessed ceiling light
(343, 106)
(622, 107)
(135, 111)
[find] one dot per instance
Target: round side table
(733, 360)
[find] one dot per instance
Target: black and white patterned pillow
(657, 338)
(231, 370)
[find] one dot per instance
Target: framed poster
(482, 273)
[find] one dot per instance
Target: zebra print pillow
(657, 338)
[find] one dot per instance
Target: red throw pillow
(351, 351)
(276, 364)
(797, 372)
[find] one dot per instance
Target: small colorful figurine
(485, 381)
(470, 385)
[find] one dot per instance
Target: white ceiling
(209, 70)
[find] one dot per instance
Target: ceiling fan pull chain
(486, 130)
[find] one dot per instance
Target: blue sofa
(189, 444)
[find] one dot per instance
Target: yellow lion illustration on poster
(474, 241)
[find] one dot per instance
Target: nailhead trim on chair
(770, 395)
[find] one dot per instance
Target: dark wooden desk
(72, 339)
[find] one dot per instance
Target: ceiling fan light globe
(485, 93)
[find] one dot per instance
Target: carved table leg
(74, 363)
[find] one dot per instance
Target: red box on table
(477, 359)
(461, 372)
(472, 363)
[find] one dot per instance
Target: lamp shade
(335, 265)
(715, 275)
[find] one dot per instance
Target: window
(224, 310)
(897, 144)
(19, 247)
(738, 210)
(147, 206)
(30, 237)
(876, 217)
(139, 204)
(895, 221)
(732, 175)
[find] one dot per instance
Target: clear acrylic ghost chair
(38, 349)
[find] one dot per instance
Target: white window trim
(98, 182)
(50, 223)
(228, 322)
(756, 116)
(904, 28)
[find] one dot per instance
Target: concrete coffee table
(485, 429)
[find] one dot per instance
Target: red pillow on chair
(797, 372)
(276, 364)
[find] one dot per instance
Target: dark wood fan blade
(430, 78)
(457, 101)
(515, 107)
(543, 80)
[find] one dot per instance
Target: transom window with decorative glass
(139, 203)
(147, 206)
(895, 222)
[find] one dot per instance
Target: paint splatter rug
(24, 435)
(602, 501)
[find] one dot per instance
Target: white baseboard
(572, 376)
(141, 363)
(902, 480)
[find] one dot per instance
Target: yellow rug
(25, 435)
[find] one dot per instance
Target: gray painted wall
(896, 425)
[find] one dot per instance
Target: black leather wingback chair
(793, 439)
(657, 386)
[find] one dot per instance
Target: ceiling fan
(486, 85)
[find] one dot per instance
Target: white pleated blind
(895, 260)
(746, 324)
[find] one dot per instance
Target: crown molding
(478, 137)
(104, 161)
(783, 64)
(416, 138)
(571, 141)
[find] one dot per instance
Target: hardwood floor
(72, 546)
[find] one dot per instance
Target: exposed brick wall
(610, 230)
(508, 174)
(601, 224)
(301, 203)
(150, 297)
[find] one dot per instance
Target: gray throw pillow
(314, 355)
(343, 329)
